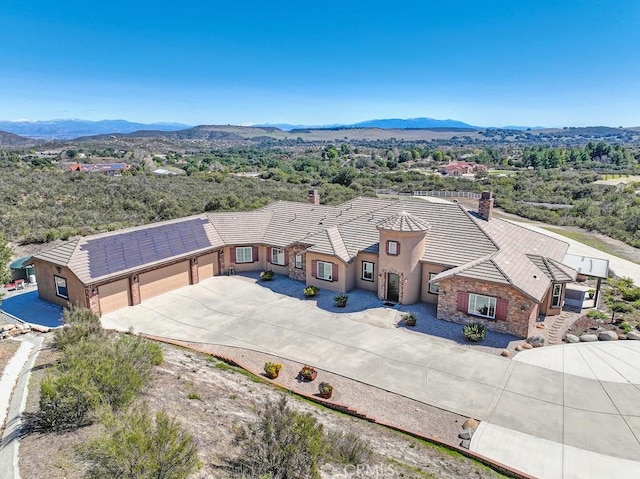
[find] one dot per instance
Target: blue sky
(489, 63)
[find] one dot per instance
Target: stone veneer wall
(522, 311)
(296, 273)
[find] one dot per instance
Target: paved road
(20, 371)
(538, 415)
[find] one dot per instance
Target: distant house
(112, 169)
(472, 266)
(163, 172)
(459, 168)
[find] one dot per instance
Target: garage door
(207, 266)
(114, 296)
(165, 279)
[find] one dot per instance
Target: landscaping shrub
(310, 291)
(65, 403)
(474, 332)
(348, 448)
(341, 300)
(282, 444)
(595, 314)
(79, 323)
(626, 327)
(410, 319)
(135, 446)
(103, 370)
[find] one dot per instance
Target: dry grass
(8, 348)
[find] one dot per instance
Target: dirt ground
(8, 348)
(224, 398)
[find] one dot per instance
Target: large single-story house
(473, 266)
(459, 168)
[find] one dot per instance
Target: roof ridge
(476, 222)
(342, 244)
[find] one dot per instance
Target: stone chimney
(485, 205)
(313, 197)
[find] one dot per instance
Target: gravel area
(375, 403)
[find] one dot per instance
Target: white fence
(445, 194)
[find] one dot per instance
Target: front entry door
(393, 287)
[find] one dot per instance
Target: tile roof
(98, 257)
(515, 262)
(404, 222)
(494, 250)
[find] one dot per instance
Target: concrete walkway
(538, 416)
(17, 372)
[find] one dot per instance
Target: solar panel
(136, 248)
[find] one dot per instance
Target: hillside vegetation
(44, 203)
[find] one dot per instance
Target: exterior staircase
(558, 325)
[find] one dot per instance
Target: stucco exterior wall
(357, 272)
(259, 265)
(45, 273)
(425, 295)
(339, 286)
(545, 306)
(522, 311)
(406, 264)
(276, 268)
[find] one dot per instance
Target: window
(244, 254)
(484, 306)
(298, 261)
(61, 287)
(392, 248)
(324, 271)
(433, 287)
(556, 295)
(277, 256)
(367, 271)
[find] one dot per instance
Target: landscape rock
(505, 353)
(633, 335)
(465, 434)
(607, 336)
(40, 329)
(535, 341)
(527, 346)
(571, 338)
(7, 327)
(470, 424)
(465, 443)
(588, 338)
(519, 347)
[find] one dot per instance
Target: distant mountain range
(67, 129)
(385, 124)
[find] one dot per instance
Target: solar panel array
(132, 249)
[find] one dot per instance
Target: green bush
(626, 327)
(65, 403)
(105, 370)
(282, 444)
(272, 369)
(620, 307)
(595, 314)
(311, 291)
(135, 446)
(267, 275)
(410, 319)
(341, 300)
(79, 323)
(474, 332)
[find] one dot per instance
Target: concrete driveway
(557, 412)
